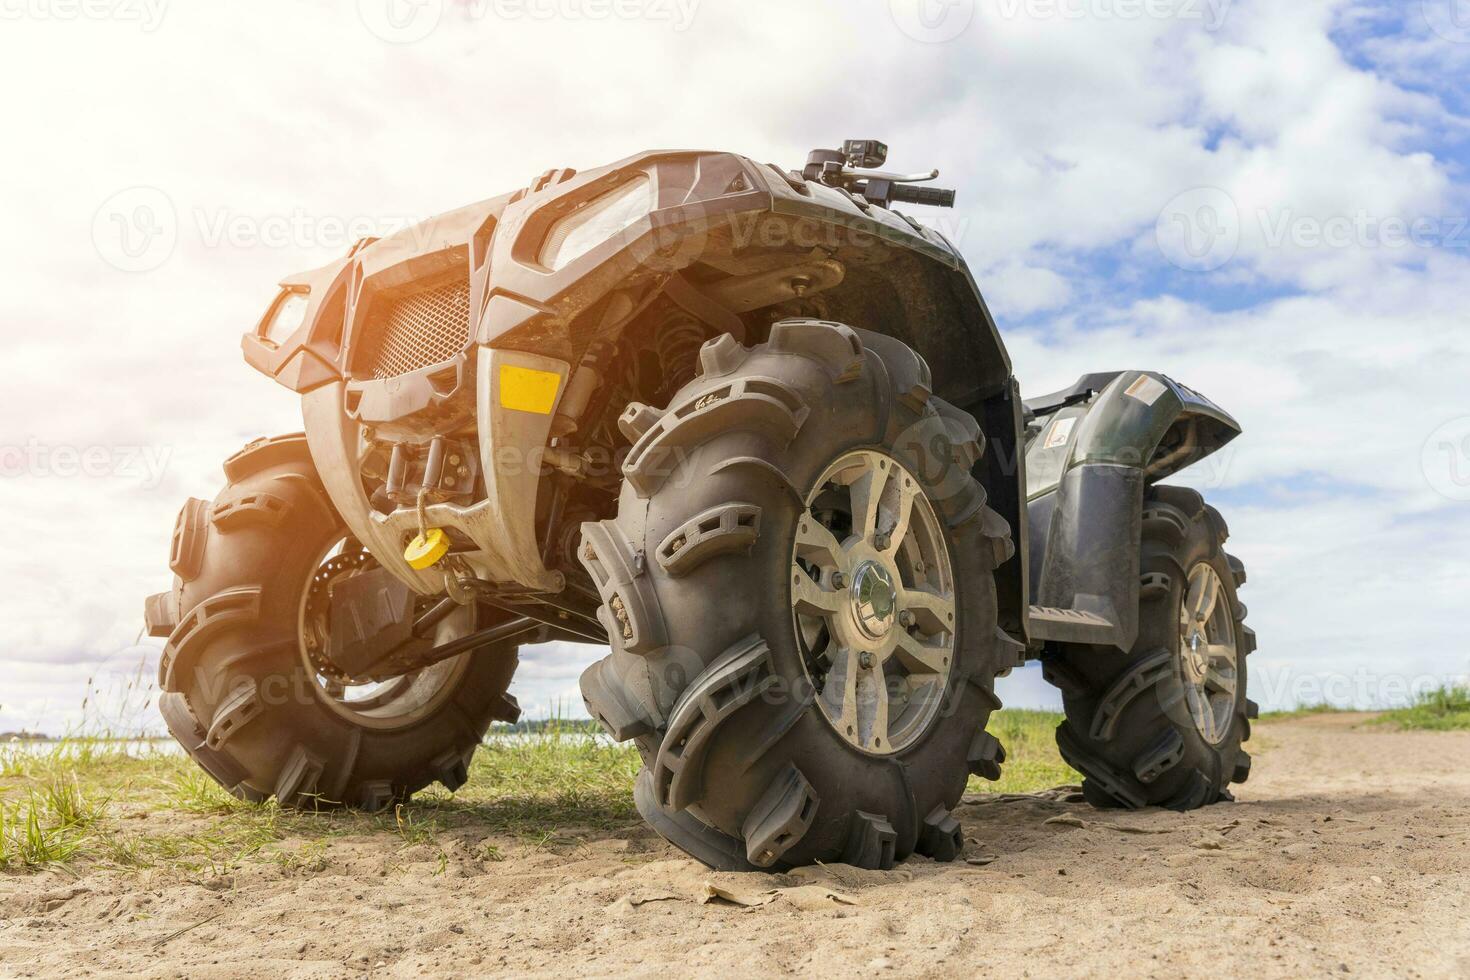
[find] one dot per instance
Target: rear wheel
(1162, 724)
(249, 691)
(799, 588)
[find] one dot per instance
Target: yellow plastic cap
(425, 551)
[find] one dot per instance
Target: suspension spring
(677, 341)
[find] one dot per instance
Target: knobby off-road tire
(240, 692)
(1162, 725)
(746, 765)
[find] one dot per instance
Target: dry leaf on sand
(1065, 820)
(749, 898)
(808, 898)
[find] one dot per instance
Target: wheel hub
(874, 599)
(1195, 661)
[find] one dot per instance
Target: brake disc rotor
(317, 617)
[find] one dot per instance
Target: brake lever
(860, 174)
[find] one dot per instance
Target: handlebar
(939, 197)
(853, 168)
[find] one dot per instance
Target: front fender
(725, 223)
(1086, 468)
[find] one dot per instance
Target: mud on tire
(742, 767)
(238, 693)
(1130, 728)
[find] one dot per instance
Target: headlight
(285, 318)
(579, 233)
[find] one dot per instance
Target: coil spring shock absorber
(677, 341)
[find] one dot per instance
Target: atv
(755, 431)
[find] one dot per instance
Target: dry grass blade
(160, 943)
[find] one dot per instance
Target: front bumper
(502, 526)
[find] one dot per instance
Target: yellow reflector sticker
(528, 390)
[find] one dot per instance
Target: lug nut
(906, 619)
(882, 541)
(839, 580)
(865, 660)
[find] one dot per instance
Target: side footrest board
(1072, 626)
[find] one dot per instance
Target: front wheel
(249, 692)
(799, 589)
(1162, 724)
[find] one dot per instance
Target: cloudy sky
(1266, 199)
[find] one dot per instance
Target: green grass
(116, 804)
(1445, 709)
(51, 824)
(122, 805)
(1304, 710)
(1032, 760)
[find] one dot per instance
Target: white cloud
(1017, 289)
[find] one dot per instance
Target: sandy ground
(1348, 852)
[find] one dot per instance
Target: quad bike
(754, 430)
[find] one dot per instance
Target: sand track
(1349, 850)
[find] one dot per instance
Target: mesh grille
(418, 330)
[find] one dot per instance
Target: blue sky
(1265, 199)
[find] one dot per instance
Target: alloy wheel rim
(873, 602)
(1207, 654)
